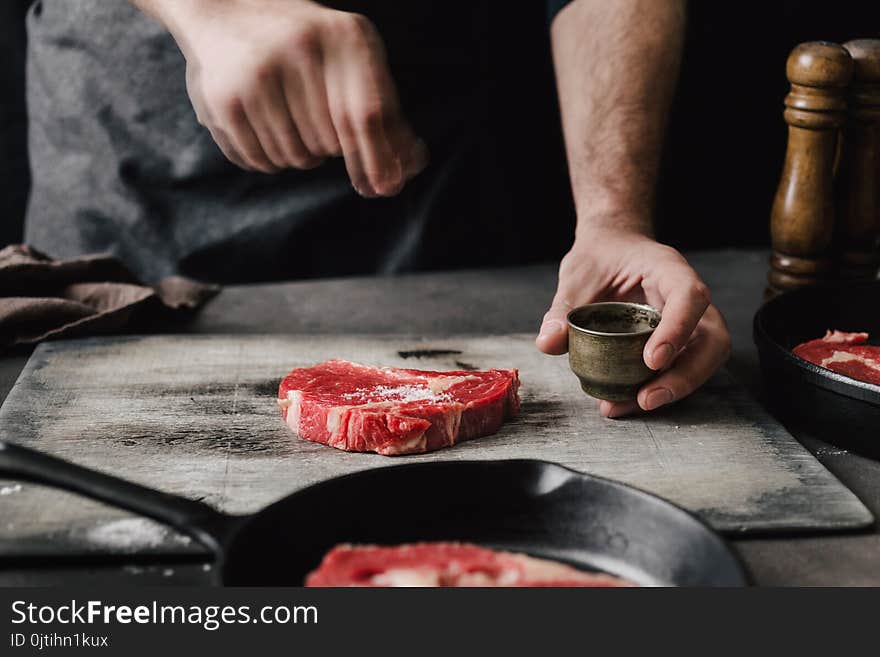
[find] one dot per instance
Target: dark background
(14, 175)
(726, 140)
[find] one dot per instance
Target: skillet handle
(203, 523)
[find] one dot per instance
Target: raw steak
(446, 564)
(845, 353)
(395, 411)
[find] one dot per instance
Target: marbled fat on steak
(446, 564)
(845, 353)
(395, 411)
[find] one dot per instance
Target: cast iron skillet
(530, 506)
(831, 406)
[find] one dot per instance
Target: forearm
(181, 17)
(174, 14)
(616, 68)
(168, 11)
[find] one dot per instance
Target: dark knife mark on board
(466, 366)
(229, 404)
(540, 413)
(428, 353)
(235, 439)
(267, 387)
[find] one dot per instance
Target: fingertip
(658, 357)
(552, 339)
(550, 346)
(653, 398)
(312, 163)
(363, 190)
(388, 189)
(330, 147)
(613, 410)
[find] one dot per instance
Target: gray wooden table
(499, 301)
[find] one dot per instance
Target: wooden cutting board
(196, 416)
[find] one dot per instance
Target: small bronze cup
(606, 342)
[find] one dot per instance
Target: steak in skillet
(446, 564)
(845, 353)
(395, 411)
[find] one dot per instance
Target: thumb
(553, 336)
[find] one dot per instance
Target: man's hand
(288, 83)
(616, 67)
(691, 341)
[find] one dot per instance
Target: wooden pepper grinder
(802, 219)
(858, 218)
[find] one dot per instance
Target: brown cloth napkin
(42, 298)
